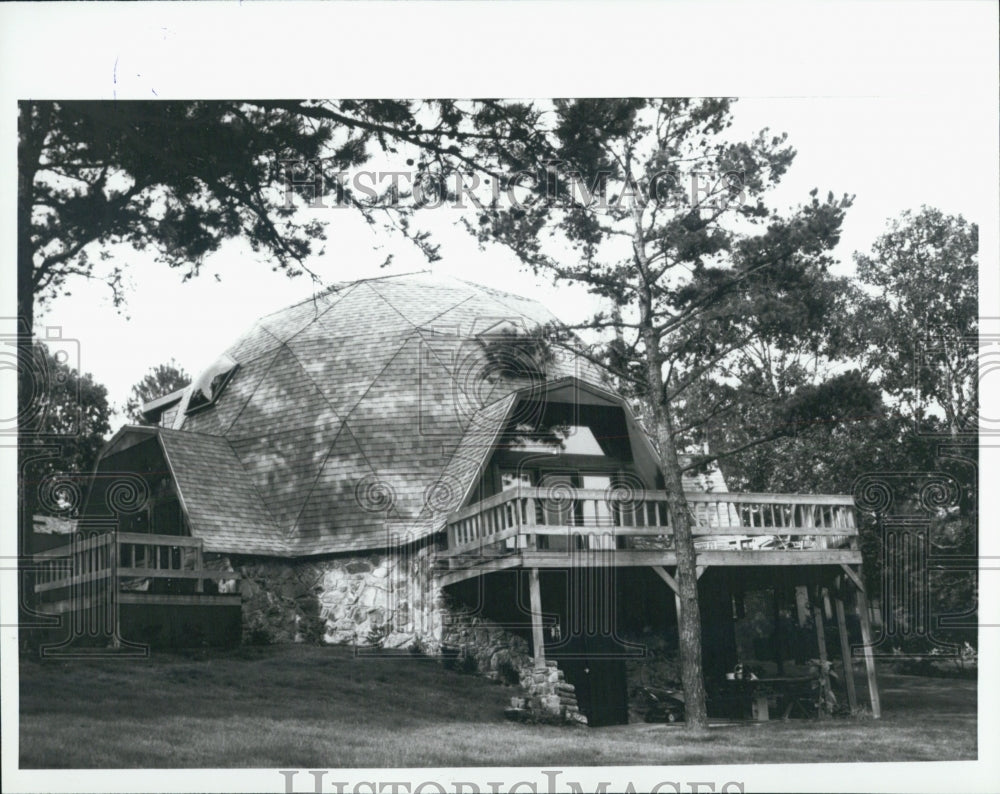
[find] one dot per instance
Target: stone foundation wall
(498, 653)
(385, 598)
(549, 694)
(388, 599)
(506, 657)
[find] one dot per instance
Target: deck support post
(818, 618)
(778, 638)
(537, 632)
(866, 639)
(801, 601)
(845, 645)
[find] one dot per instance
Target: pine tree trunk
(689, 619)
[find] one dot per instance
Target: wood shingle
(372, 405)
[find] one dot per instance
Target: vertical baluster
(530, 514)
(199, 561)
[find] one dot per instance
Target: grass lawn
(308, 707)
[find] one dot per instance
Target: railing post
(530, 540)
(199, 583)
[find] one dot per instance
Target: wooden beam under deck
(530, 558)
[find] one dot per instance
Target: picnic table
(754, 696)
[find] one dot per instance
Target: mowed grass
(307, 707)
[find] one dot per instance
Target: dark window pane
(211, 382)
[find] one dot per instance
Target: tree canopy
(180, 178)
(922, 322)
(157, 382)
(62, 432)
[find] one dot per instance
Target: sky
(890, 153)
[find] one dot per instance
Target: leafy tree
(62, 433)
(922, 321)
(912, 333)
(179, 178)
(159, 381)
(663, 217)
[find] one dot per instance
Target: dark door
(591, 659)
(595, 669)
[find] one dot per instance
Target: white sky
(892, 153)
(895, 102)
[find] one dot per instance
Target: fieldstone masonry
(550, 694)
(389, 598)
(501, 655)
(340, 600)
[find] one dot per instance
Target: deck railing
(136, 562)
(529, 518)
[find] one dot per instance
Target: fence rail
(135, 562)
(545, 518)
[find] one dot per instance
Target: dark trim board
(160, 621)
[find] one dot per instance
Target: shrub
(468, 663)
(312, 629)
(507, 672)
(417, 647)
(259, 633)
(376, 635)
(449, 657)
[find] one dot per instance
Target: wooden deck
(130, 568)
(563, 527)
(544, 528)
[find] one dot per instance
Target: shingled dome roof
(361, 413)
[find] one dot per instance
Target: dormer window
(210, 384)
(569, 440)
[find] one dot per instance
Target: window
(211, 382)
(514, 479)
(569, 440)
(580, 440)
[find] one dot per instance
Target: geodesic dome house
(419, 460)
